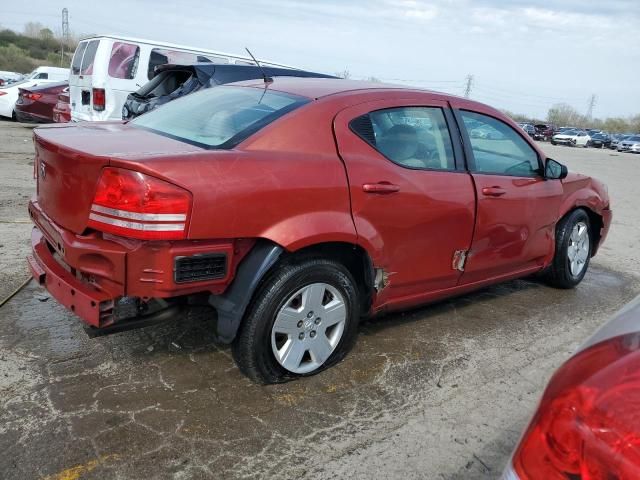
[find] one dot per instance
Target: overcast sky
(524, 56)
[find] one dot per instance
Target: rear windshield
(219, 117)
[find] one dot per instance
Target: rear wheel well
(353, 257)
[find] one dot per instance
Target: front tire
(573, 251)
(303, 319)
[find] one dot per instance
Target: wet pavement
(441, 392)
(167, 402)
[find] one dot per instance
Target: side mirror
(554, 170)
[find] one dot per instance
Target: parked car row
(40, 76)
(575, 137)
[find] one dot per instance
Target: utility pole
(65, 33)
(592, 103)
(467, 90)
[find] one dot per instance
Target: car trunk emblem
(43, 170)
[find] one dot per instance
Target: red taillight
(587, 426)
(99, 99)
(136, 205)
(2, 93)
(33, 96)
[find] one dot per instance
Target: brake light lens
(2, 93)
(587, 426)
(32, 96)
(99, 99)
(136, 205)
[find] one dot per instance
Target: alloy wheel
(578, 249)
(308, 327)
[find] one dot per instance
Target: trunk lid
(69, 160)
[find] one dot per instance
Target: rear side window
(89, 56)
(42, 76)
(219, 117)
(498, 148)
(123, 61)
(413, 137)
(77, 58)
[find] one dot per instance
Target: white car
(630, 144)
(575, 138)
(9, 94)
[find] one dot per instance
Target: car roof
(317, 88)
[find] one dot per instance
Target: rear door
(81, 79)
(412, 201)
(517, 207)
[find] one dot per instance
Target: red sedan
(296, 207)
(35, 104)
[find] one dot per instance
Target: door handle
(380, 187)
(493, 191)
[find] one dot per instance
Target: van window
(77, 58)
(123, 62)
(162, 56)
(42, 76)
(87, 59)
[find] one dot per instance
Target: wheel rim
(578, 249)
(308, 327)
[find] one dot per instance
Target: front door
(517, 207)
(412, 201)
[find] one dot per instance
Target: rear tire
(287, 332)
(574, 245)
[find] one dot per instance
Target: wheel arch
(595, 220)
(265, 256)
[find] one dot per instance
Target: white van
(107, 68)
(9, 93)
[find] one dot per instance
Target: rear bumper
(87, 273)
(26, 117)
(83, 299)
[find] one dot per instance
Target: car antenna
(265, 77)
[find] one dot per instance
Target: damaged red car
(293, 208)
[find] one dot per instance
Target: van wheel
(13, 116)
(303, 320)
(573, 251)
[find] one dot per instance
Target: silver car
(630, 144)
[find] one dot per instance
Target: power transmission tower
(65, 33)
(592, 103)
(467, 90)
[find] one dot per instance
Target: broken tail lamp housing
(587, 426)
(135, 205)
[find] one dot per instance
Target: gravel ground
(439, 392)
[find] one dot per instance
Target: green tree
(15, 59)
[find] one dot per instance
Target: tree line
(564, 115)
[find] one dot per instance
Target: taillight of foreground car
(136, 205)
(587, 426)
(32, 96)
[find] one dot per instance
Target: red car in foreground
(296, 207)
(35, 104)
(587, 425)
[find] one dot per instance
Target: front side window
(123, 62)
(413, 137)
(498, 148)
(219, 117)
